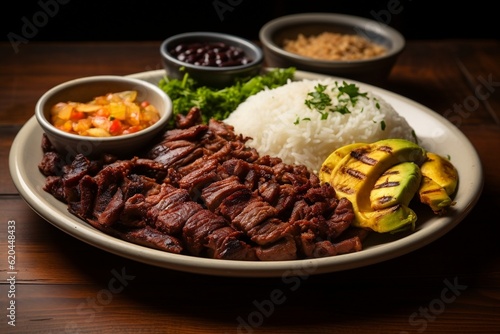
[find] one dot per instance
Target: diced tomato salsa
(113, 114)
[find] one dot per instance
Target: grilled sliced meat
(200, 190)
(51, 164)
(285, 249)
(171, 221)
(152, 238)
(192, 118)
(216, 192)
(197, 230)
(199, 178)
(226, 244)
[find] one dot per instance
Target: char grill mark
(225, 243)
(208, 234)
(253, 214)
(233, 205)
(167, 197)
(172, 220)
(201, 191)
(198, 228)
(170, 213)
(258, 220)
(213, 194)
(199, 178)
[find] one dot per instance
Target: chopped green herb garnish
(351, 90)
(382, 125)
(342, 109)
(320, 101)
(297, 121)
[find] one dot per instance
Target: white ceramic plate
(436, 133)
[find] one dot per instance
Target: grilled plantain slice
(434, 195)
(333, 159)
(441, 171)
(439, 182)
(392, 219)
(397, 185)
(355, 175)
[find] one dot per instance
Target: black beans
(216, 54)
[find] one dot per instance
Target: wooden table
(63, 285)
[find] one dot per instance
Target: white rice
(270, 118)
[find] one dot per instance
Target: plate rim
(47, 208)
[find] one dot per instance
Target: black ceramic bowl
(214, 76)
(273, 34)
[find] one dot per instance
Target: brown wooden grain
(63, 284)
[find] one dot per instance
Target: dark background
(80, 20)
